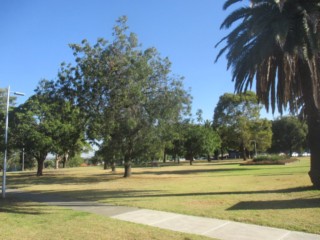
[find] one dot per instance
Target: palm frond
(235, 16)
(228, 3)
(276, 44)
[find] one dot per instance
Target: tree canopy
(237, 120)
(124, 91)
(289, 134)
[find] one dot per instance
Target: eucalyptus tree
(276, 44)
(124, 91)
(238, 123)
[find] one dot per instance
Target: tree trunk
(127, 169)
(164, 156)
(58, 159)
(40, 166)
(113, 166)
(105, 165)
(313, 121)
(190, 157)
(127, 166)
(65, 159)
(244, 152)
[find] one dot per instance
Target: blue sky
(34, 38)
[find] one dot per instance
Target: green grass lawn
(278, 196)
(37, 222)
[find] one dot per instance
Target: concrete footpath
(209, 227)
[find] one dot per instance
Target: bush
(49, 164)
(272, 158)
(75, 161)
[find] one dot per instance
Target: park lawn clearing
(278, 196)
(29, 220)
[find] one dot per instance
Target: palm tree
(276, 44)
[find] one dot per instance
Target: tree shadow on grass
(17, 181)
(277, 204)
(131, 195)
(22, 180)
(17, 206)
(191, 171)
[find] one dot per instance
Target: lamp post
(6, 142)
(22, 168)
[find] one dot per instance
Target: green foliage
(75, 161)
(289, 135)
(127, 94)
(49, 163)
(199, 140)
(47, 123)
(238, 123)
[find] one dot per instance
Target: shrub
(75, 161)
(272, 158)
(49, 164)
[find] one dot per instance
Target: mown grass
(278, 196)
(28, 220)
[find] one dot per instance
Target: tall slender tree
(276, 44)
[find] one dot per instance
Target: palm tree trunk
(313, 122)
(314, 141)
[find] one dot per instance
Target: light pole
(255, 147)
(22, 168)
(6, 142)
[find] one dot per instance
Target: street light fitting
(18, 93)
